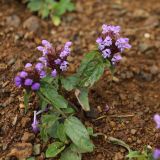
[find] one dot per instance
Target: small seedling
(51, 8)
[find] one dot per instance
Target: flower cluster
(156, 153)
(54, 58)
(30, 77)
(111, 44)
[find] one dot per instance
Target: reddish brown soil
(135, 93)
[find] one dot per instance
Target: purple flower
(47, 46)
(66, 51)
(109, 28)
(107, 41)
(54, 73)
(106, 53)
(156, 154)
(99, 40)
(116, 58)
(100, 43)
(35, 86)
(23, 74)
(63, 65)
(28, 65)
(43, 60)
(39, 66)
(157, 120)
(57, 61)
(18, 81)
(35, 123)
(68, 44)
(106, 109)
(122, 43)
(28, 82)
(42, 74)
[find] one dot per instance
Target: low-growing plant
(51, 8)
(145, 154)
(46, 78)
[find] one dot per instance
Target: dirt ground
(133, 96)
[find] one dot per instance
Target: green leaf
(54, 149)
(31, 158)
(70, 82)
(61, 133)
(44, 12)
(68, 110)
(76, 149)
(77, 132)
(47, 79)
(68, 154)
(82, 96)
(86, 60)
(52, 95)
(91, 69)
(92, 74)
(90, 131)
(56, 20)
(119, 142)
(35, 5)
(48, 125)
(63, 6)
(52, 131)
(136, 154)
(49, 119)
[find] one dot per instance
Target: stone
(118, 156)
(14, 120)
(140, 14)
(21, 150)
(143, 47)
(25, 121)
(154, 70)
(146, 76)
(13, 21)
(133, 131)
(152, 22)
(32, 24)
(27, 137)
(36, 149)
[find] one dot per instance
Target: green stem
(40, 94)
(26, 99)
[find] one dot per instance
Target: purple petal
(28, 82)
(35, 86)
(40, 48)
(54, 73)
(18, 81)
(39, 66)
(57, 61)
(23, 74)
(116, 58)
(107, 41)
(28, 65)
(157, 120)
(35, 123)
(156, 154)
(64, 66)
(106, 53)
(99, 40)
(68, 44)
(42, 74)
